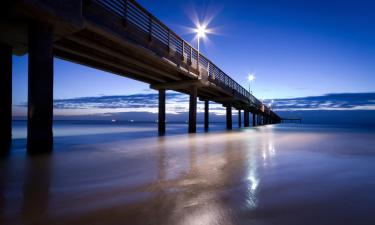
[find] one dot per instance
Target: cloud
(177, 103)
(338, 101)
(110, 102)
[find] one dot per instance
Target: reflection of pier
(116, 36)
(189, 178)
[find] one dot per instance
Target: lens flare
(201, 31)
(251, 77)
(201, 22)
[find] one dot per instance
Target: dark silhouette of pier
(118, 36)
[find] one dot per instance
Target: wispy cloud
(338, 101)
(177, 103)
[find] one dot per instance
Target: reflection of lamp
(254, 183)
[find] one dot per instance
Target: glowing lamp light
(251, 77)
(201, 31)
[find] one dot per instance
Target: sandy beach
(277, 174)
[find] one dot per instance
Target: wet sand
(275, 174)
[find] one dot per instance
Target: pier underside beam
(229, 117)
(193, 109)
(239, 118)
(6, 97)
(246, 118)
(206, 115)
(161, 115)
(254, 119)
(178, 85)
(40, 93)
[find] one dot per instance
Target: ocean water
(123, 173)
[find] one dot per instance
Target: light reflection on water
(264, 175)
(255, 162)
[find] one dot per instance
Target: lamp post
(201, 33)
(250, 78)
(271, 104)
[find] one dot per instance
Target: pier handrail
(178, 50)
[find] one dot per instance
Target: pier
(117, 36)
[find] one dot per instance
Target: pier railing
(150, 32)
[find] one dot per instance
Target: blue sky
(295, 48)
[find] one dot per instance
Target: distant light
(113, 121)
(201, 30)
(251, 77)
(132, 121)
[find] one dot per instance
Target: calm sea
(104, 172)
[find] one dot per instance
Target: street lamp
(271, 104)
(201, 31)
(250, 78)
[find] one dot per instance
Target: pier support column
(193, 109)
(239, 119)
(40, 93)
(161, 115)
(6, 98)
(246, 118)
(229, 117)
(254, 120)
(206, 118)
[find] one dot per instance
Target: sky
(296, 49)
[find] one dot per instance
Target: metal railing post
(169, 42)
(125, 22)
(149, 27)
(208, 68)
(183, 50)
